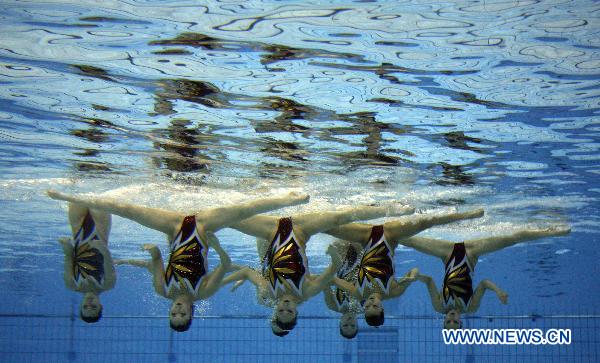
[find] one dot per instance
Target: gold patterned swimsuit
(285, 260)
(187, 262)
(88, 262)
(458, 284)
(377, 263)
(347, 271)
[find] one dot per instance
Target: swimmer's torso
(376, 267)
(457, 289)
(284, 265)
(188, 259)
(347, 271)
(89, 254)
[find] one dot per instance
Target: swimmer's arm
(110, 275)
(68, 270)
(480, 291)
(316, 284)
(159, 219)
(436, 299)
(217, 218)
(132, 262)
(243, 274)
(347, 286)
(330, 299)
(354, 232)
(403, 283)
(213, 280)
(157, 269)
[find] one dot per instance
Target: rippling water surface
(441, 105)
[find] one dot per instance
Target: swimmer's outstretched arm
(479, 247)
(318, 283)
(436, 299)
(133, 262)
(241, 275)
(68, 269)
(403, 283)
(156, 268)
(313, 223)
(217, 218)
(480, 291)
(347, 286)
(409, 226)
(214, 278)
(159, 219)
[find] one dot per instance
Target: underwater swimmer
(374, 280)
(457, 296)
(285, 277)
(339, 300)
(185, 278)
(88, 263)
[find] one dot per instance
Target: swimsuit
(347, 271)
(377, 263)
(285, 260)
(187, 262)
(458, 284)
(88, 262)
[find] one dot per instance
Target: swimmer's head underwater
(90, 309)
(286, 313)
(181, 314)
(374, 313)
(348, 325)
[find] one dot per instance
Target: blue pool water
(187, 105)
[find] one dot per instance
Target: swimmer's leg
(479, 247)
(263, 227)
(409, 226)
(353, 232)
(217, 218)
(159, 219)
(77, 213)
(313, 223)
(429, 246)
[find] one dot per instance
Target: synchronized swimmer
(360, 276)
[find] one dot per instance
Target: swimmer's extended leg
(429, 246)
(263, 227)
(217, 218)
(409, 226)
(479, 247)
(313, 223)
(159, 219)
(353, 232)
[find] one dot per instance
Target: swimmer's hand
(502, 296)
(149, 246)
(65, 241)
(298, 197)
(411, 276)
